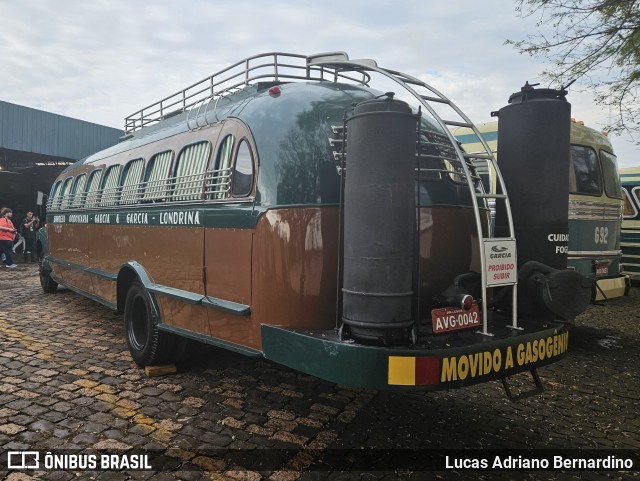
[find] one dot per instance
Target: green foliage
(597, 43)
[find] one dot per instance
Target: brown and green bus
(261, 212)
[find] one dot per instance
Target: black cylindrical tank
(379, 221)
(534, 159)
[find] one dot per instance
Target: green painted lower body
(453, 362)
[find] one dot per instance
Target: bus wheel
(47, 283)
(147, 344)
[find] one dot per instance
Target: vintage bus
(595, 205)
(630, 237)
(286, 208)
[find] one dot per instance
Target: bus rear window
(610, 173)
(585, 178)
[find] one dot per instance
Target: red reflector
(467, 302)
(427, 370)
(274, 91)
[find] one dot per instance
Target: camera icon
(23, 460)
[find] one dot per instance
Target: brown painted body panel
(286, 270)
(228, 276)
(228, 264)
(295, 267)
(192, 317)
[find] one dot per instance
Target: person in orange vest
(7, 234)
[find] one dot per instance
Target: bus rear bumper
(612, 287)
(470, 359)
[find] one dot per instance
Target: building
(35, 146)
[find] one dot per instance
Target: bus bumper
(612, 287)
(437, 364)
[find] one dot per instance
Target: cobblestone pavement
(67, 382)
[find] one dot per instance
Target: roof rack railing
(272, 66)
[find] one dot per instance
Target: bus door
(229, 227)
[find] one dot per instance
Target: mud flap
(538, 389)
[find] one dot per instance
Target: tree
(594, 42)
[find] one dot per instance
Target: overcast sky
(101, 60)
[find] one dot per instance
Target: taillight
(466, 302)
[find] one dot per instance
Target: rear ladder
(432, 100)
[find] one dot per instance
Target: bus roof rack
(265, 67)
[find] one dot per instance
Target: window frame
(216, 170)
(573, 172)
(54, 192)
(95, 194)
(157, 188)
(113, 200)
(635, 194)
(628, 199)
(604, 177)
(74, 191)
(61, 204)
(135, 187)
(174, 177)
(243, 140)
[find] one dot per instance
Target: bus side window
(635, 198)
(586, 170)
(77, 191)
(62, 199)
(611, 175)
(130, 182)
(156, 177)
(630, 210)
(190, 173)
(218, 185)
(110, 186)
(242, 178)
(93, 185)
(53, 194)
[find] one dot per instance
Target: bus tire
(46, 282)
(147, 344)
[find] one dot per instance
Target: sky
(102, 60)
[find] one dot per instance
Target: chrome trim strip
(591, 210)
(589, 254)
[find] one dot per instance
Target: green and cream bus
(244, 212)
(630, 237)
(595, 205)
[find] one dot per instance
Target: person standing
(7, 233)
(29, 228)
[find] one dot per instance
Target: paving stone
(79, 388)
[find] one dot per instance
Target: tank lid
(385, 102)
(529, 92)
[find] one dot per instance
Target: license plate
(447, 319)
(602, 268)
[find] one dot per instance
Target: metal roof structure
(30, 137)
(36, 145)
